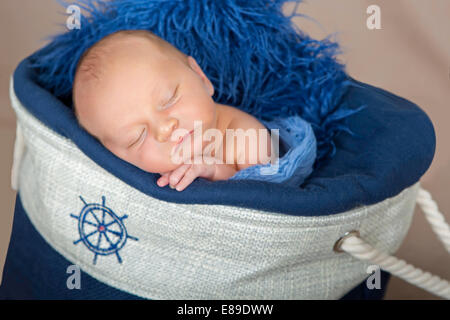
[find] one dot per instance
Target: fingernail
(172, 187)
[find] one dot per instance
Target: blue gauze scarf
(295, 135)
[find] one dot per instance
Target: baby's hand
(185, 174)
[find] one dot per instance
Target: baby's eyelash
(171, 100)
(139, 139)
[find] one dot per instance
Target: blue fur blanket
(256, 57)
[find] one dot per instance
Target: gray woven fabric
(194, 251)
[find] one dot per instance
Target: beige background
(409, 56)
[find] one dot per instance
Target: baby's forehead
(96, 63)
(127, 38)
(110, 46)
(95, 60)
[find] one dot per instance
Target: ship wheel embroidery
(101, 230)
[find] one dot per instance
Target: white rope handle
(358, 248)
(434, 217)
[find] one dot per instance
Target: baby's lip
(187, 134)
(177, 145)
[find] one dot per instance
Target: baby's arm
(242, 151)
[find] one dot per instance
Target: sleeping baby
(151, 105)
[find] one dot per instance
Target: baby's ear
(194, 66)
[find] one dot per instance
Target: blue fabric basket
(360, 174)
(214, 240)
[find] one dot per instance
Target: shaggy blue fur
(255, 56)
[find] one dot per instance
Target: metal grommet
(338, 244)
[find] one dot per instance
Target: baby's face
(143, 94)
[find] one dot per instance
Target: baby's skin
(141, 97)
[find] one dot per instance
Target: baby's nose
(166, 129)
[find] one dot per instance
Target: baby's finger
(177, 174)
(163, 180)
(189, 176)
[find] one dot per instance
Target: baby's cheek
(155, 161)
(119, 154)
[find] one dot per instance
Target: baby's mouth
(180, 142)
(183, 138)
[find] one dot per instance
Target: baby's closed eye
(172, 100)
